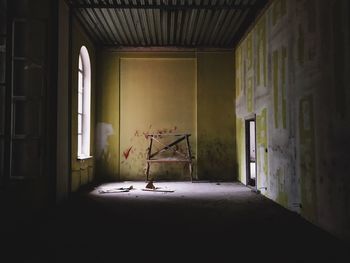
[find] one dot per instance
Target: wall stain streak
(302, 108)
(307, 157)
(262, 154)
(261, 72)
(301, 45)
(282, 197)
(250, 95)
(238, 59)
(284, 83)
(250, 51)
(275, 86)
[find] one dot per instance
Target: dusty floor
(215, 222)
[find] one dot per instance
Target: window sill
(82, 158)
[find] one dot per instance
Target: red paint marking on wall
(127, 152)
(146, 135)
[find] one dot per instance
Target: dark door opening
(250, 152)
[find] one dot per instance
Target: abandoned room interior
(219, 125)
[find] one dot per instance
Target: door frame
(247, 120)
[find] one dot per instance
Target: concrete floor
(198, 221)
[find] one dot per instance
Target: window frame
(84, 105)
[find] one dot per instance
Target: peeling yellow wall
(216, 116)
(157, 95)
(300, 105)
(261, 71)
(264, 92)
(166, 92)
(240, 146)
(107, 117)
(261, 148)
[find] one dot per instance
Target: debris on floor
(150, 187)
(116, 190)
(158, 189)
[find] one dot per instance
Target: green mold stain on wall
(238, 59)
(275, 86)
(307, 157)
(284, 84)
(261, 72)
(250, 51)
(282, 197)
(240, 139)
(250, 95)
(261, 141)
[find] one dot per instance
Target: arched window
(84, 101)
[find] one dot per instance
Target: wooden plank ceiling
(167, 23)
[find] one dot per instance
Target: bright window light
(84, 104)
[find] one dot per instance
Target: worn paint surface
(261, 72)
(301, 45)
(284, 87)
(240, 145)
(307, 157)
(282, 196)
(275, 87)
(107, 141)
(249, 51)
(156, 95)
(250, 95)
(213, 106)
(304, 104)
(103, 142)
(261, 151)
(216, 116)
(238, 71)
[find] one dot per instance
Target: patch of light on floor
(200, 190)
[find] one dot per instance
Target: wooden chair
(156, 157)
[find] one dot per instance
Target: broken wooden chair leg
(150, 185)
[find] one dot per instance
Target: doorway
(250, 131)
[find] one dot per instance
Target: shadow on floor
(211, 222)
